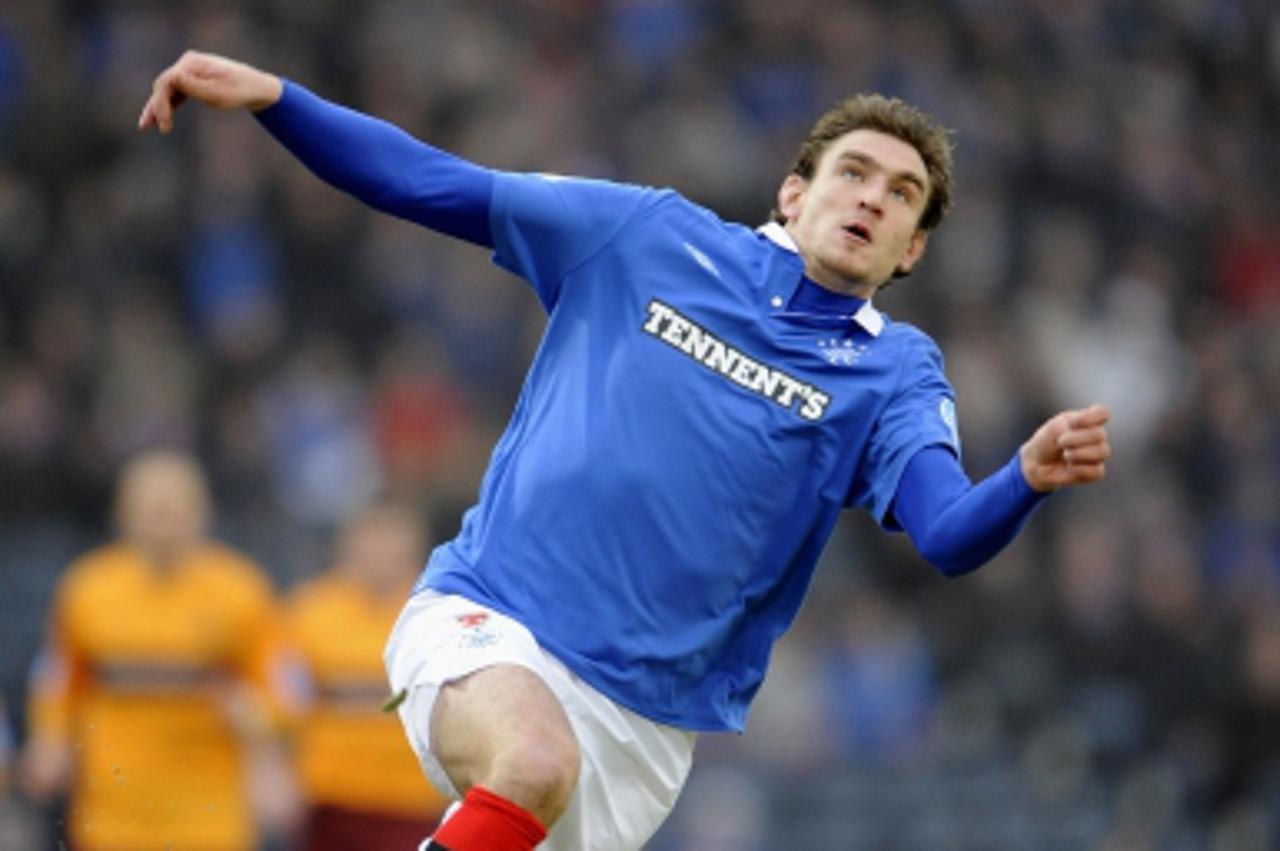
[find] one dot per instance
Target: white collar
(778, 235)
(867, 316)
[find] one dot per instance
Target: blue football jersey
(685, 439)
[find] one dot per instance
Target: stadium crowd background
(1110, 682)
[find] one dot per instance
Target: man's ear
(791, 196)
(915, 250)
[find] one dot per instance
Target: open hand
(1071, 448)
(214, 80)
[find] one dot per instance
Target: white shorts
(632, 768)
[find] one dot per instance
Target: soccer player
(363, 787)
(153, 703)
(707, 398)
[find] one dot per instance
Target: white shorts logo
(476, 634)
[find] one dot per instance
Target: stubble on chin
(842, 270)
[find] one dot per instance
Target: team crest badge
(841, 352)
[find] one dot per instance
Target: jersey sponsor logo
(473, 619)
(689, 338)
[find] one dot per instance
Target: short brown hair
(895, 118)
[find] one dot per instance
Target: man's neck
(162, 558)
(840, 286)
(812, 297)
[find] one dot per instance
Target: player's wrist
(268, 90)
(1031, 471)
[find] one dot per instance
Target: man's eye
(852, 173)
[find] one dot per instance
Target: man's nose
(871, 196)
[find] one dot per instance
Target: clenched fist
(1071, 448)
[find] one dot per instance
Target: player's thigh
(500, 721)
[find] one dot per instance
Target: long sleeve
(382, 165)
(957, 525)
(57, 681)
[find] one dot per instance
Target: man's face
(162, 505)
(383, 550)
(856, 221)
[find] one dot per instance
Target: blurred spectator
(879, 682)
(315, 417)
(421, 423)
(15, 830)
(363, 786)
(152, 704)
(1127, 352)
(6, 748)
(1247, 267)
(1252, 734)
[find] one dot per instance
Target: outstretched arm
(958, 526)
(371, 159)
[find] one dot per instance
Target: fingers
(201, 81)
(1093, 453)
(158, 110)
(169, 91)
(1071, 448)
(1082, 437)
(1083, 474)
(1094, 415)
(1054, 476)
(1084, 440)
(209, 79)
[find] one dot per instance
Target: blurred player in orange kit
(153, 703)
(364, 788)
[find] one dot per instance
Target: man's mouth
(859, 231)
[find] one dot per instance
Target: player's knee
(540, 773)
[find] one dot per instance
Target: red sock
(487, 822)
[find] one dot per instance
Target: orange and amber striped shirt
(349, 753)
(139, 675)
